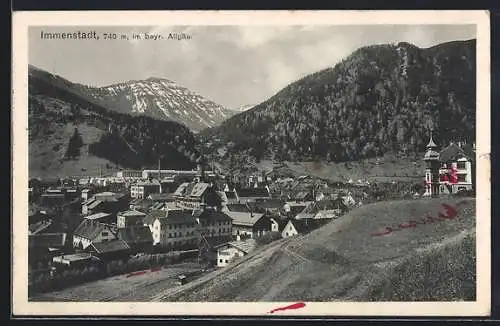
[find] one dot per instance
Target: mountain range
(381, 98)
(61, 111)
(161, 99)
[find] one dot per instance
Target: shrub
(268, 238)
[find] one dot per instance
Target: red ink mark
(451, 213)
(408, 225)
(136, 273)
(297, 305)
(155, 269)
(387, 231)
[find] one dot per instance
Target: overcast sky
(231, 65)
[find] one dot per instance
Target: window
(461, 165)
(220, 260)
(105, 234)
(461, 178)
(170, 227)
(226, 261)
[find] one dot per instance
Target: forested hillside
(127, 141)
(381, 98)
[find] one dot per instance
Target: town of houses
(75, 220)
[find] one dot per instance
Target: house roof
(253, 192)
(325, 204)
(454, 152)
(244, 218)
(246, 245)
(213, 215)
(180, 190)
(47, 240)
(74, 257)
(39, 226)
(147, 183)
(160, 197)
(97, 216)
(271, 203)
(94, 204)
(305, 225)
(136, 201)
(110, 246)
(153, 215)
(131, 213)
(238, 207)
(302, 194)
(180, 216)
(135, 235)
(89, 229)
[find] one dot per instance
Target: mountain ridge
(157, 97)
(111, 139)
(381, 98)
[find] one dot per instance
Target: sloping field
(45, 154)
(412, 250)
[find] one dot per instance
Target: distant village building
(142, 189)
(86, 194)
(192, 195)
(246, 222)
(450, 170)
(106, 202)
(77, 260)
(214, 226)
(174, 230)
(137, 237)
(90, 231)
(110, 250)
(245, 195)
(100, 217)
(295, 227)
(129, 218)
(129, 174)
(228, 252)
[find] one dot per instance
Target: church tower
(431, 159)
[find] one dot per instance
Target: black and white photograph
(281, 163)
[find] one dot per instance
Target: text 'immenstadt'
(94, 35)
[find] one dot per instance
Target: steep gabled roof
(253, 192)
(89, 229)
(213, 215)
(135, 235)
(238, 207)
(243, 218)
(453, 152)
(115, 245)
(131, 213)
(306, 225)
(47, 240)
(153, 215)
(97, 216)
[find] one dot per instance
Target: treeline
(382, 98)
(131, 141)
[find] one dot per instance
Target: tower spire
(431, 143)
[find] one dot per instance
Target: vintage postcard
(239, 163)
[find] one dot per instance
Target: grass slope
(342, 261)
(45, 153)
